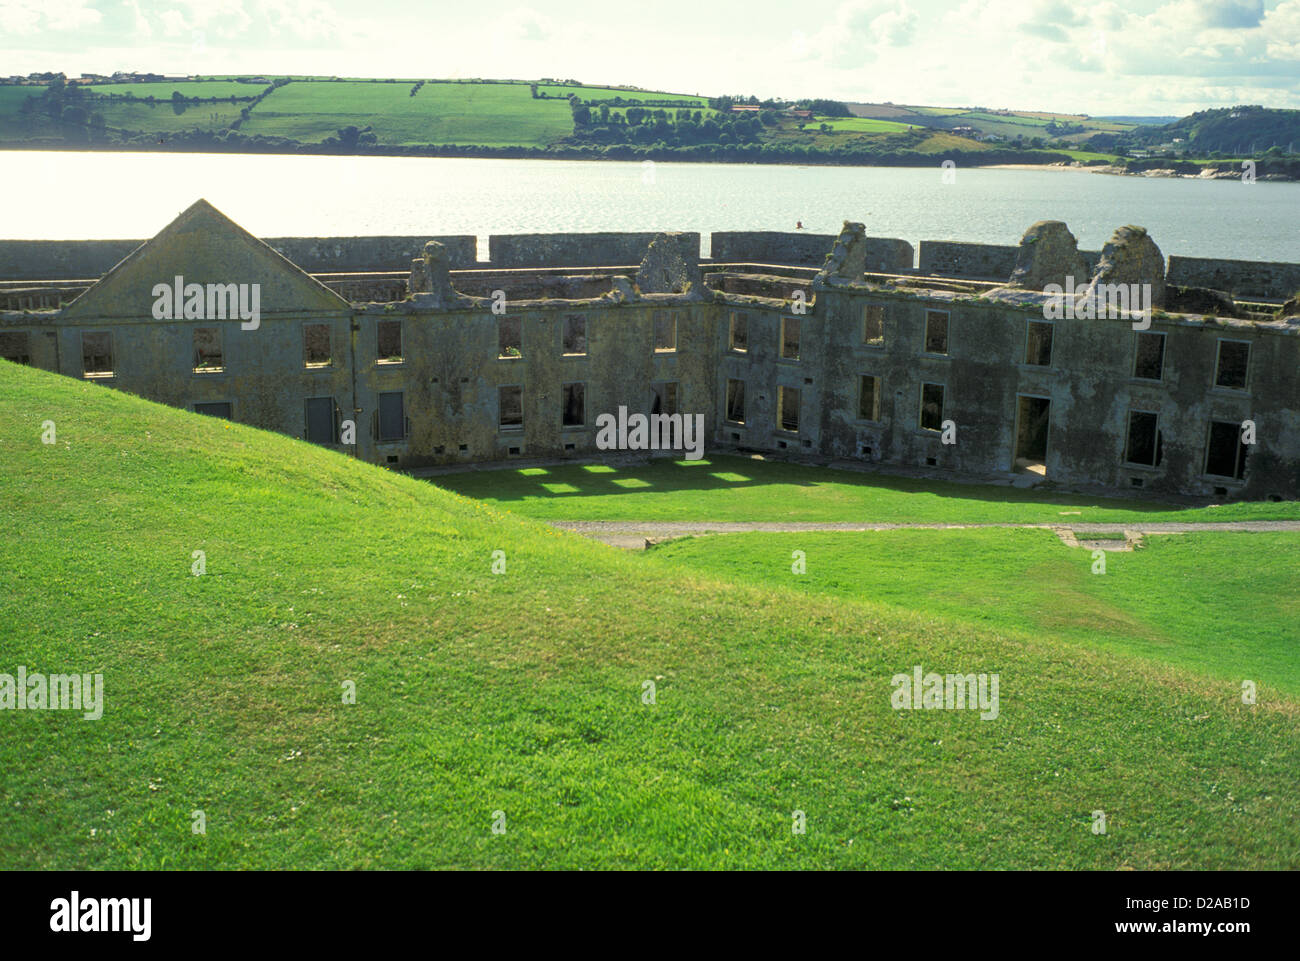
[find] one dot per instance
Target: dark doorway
(1032, 417)
(320, 420)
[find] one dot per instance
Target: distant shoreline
(629, 155)
(1206, 173)
(1189, 171)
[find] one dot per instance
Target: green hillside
(491, 114)
(1051, 129)
(472, 117)
(522, 693)
(1234, 131)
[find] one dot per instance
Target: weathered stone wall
(1242, 278)
(61, 259)
(884, 254)
(954, 258)
(450, 376)
(85, 259)
(580, 250)
(347, 254)
(1089, 383)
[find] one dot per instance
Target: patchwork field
(488, 114)
(520, 698)
(491, 115)
(609, 93)
(863, 125)
(204, 89)
(163, 117)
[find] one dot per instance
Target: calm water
(126, 195)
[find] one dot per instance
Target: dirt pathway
(636, 534)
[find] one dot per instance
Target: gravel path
(666, 529)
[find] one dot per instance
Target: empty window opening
(321, 420)
(1136, 482)
(932, 406)
(392, 458)
(1234, 357)
(510, 337)
(214, 409)
(936, 332)
(510, 402)
(868, 397)
(97, 354)
(14, 347)
(736, 402)
(739, 337)
(392, 417)
(789, 338)
(207, 351)
(864, 450)
(735, 438)
(665, 331)
(575, 334)
(575, 405)
(464, 448)
(439, 449)
(390, 341)
(570, 446)
(316, 345)
(1149, 358)
(781, 444)
(873, 325)
(514, 451)
(1220, 492)
(932, 462)
(665, 398)
(1225, 454)
(1144, 440)
(1038, 343)
(1033, 415)
(787, 402)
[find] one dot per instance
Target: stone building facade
(861, 358)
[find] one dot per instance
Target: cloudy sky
(1135, 57)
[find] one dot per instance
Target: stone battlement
(73, 260)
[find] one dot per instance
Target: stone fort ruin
(411, 352)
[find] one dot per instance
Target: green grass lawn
(725, 488)
(486, 114)
(522, 692)
(1194, 601)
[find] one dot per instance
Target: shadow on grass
(722, 472)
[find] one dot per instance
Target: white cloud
(25, 17)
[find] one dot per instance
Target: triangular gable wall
(203, 246)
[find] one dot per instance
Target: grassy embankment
(522, 692)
